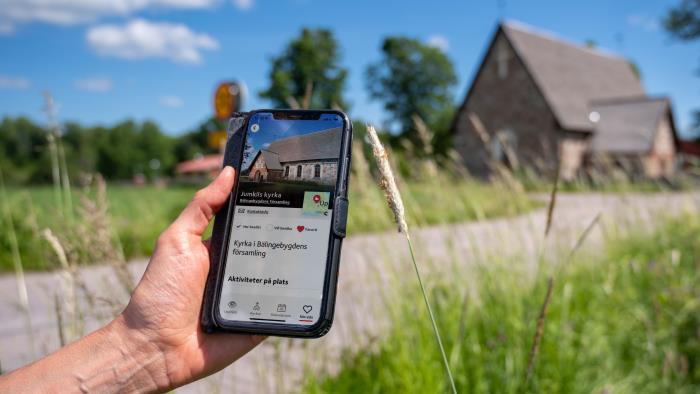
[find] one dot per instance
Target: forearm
(112, 359)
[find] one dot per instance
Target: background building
(543, 99)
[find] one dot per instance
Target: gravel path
(368, 262)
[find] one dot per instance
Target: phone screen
(280, 233)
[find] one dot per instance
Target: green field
(137, 215)
(624, 321)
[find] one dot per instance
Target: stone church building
(543, 99)
(310, 158)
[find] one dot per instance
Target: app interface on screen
(277, 251)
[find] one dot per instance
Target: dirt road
(366, 264)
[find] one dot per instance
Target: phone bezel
(325, 318)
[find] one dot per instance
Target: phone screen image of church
(280, 231)
(309, 155)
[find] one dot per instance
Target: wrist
(143, 361)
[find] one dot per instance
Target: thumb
(195, 218)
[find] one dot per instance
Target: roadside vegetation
(138, 214)
(622, 321)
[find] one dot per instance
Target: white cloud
(171, 101)
(15, 83)
(243, 4)
(643, 22)
(439, 41)
(141, 39)
(94, 84)
(71, 12)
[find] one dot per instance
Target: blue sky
(105, 61)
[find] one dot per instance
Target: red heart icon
(300, 228)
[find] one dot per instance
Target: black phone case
(220, 233)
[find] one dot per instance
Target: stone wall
(328, 172)
(662, 158)
(506, 99)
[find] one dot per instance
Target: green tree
(158, 150)
(683, 23)
(23, 151)
(308, 74)
(412, 78)
(196, 142)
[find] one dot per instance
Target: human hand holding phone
(276, 246)
(156, 344)
(166, 303)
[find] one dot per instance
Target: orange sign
(217, 139)
(227, 99)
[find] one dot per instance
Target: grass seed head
(386, 179)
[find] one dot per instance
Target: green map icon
(316, 203)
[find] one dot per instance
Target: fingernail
(226, 169)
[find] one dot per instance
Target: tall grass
(138, 214)
(17, 265)
(626, 321)
(395, 203)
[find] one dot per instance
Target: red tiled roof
(206, 163)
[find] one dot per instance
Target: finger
(195, 217)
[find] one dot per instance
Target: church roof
(272, 160)
(627, 126)
(571, 76)
(313, 146)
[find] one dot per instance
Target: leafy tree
(412, 78)
(157, 149)
(683, 23)
(196, 142)
(307, 74)
(23, 151)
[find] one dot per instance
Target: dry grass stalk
(59, 321)
(508, 179)
(479, 128)
(65, 180)
(539, 330)
(17, 262)
(293, 103)
(359, 162)
(494, 163)
(387, 181)
(100, 242)
(552, 200)
(69, 281)
(55, 172)
(424, 134)
(393, 197)
(510, 153)
(52, 137)
(582, 237)
(308, 93)
(456, 163)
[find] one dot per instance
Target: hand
(156, 344)
(165, 306)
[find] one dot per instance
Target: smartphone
(278, 264)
